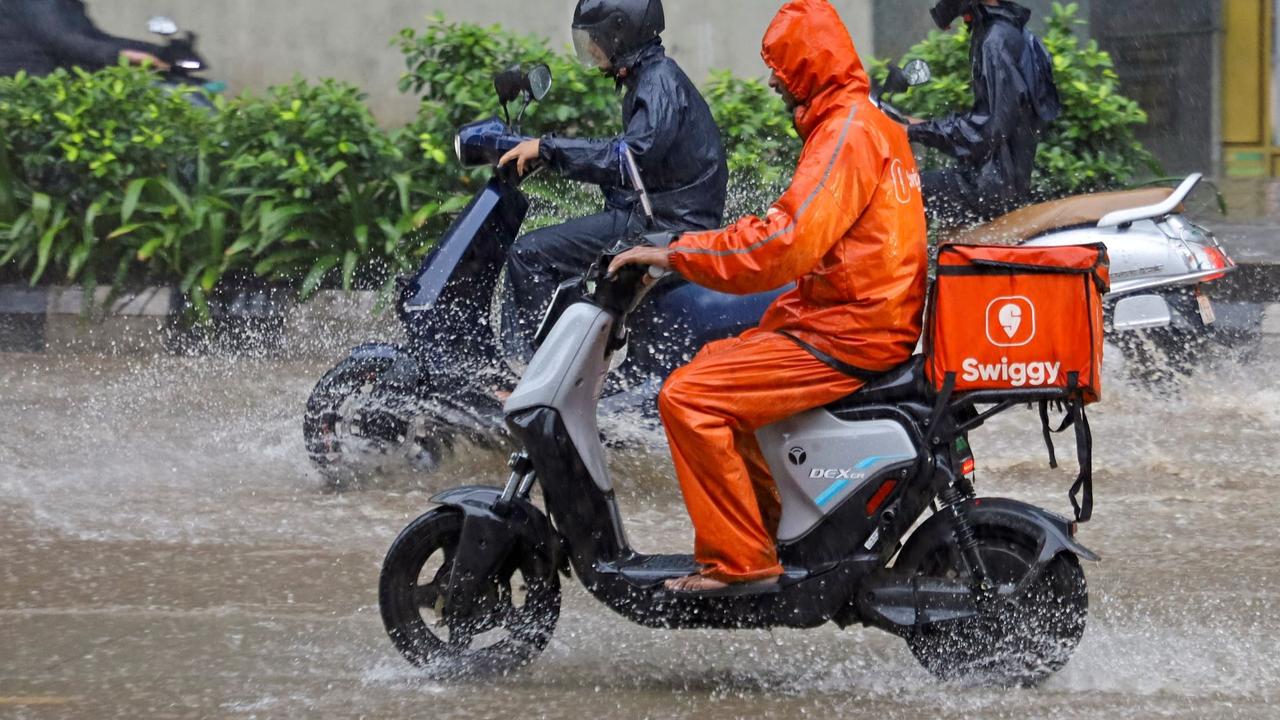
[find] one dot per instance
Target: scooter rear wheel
(514, 619)
(354, 423)
(1021, 642)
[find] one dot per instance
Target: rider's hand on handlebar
(138, 57)
(524, 154)
(653, 257)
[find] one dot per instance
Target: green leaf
(317, 274)
(178, 195)
(349, 269)
(43, 252)
(333, 171)
(41, 205)
(79, 257)
(150, 248)
(131, 195)
(8, 186)
(239, 246)
(210, 278)
(124, 230)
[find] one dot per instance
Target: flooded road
(166, 551)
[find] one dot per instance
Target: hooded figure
(40, 36)
(851, 233)
(668, 127)
(994, 143)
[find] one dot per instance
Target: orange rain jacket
(851, 228)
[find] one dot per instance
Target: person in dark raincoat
(668, 127)
(995, 142)
(40, 36)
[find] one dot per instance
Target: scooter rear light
(1217, 260)
(968, 467)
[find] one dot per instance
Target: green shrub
(106, 177)
(73, 143)
(1091, 147)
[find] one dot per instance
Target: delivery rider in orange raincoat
(850, 232)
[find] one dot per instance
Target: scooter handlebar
(485, 142)
(623, 290)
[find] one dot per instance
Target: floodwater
(166, 551)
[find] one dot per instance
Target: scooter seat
(901, 384)
(1031, 222)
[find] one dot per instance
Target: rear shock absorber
(953, 504)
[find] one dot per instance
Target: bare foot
(702, 583)
(694, 583)
(502, 395)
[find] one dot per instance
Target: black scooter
(385, 404)
(986, 588)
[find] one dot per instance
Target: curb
(60, 320)
(1271, 321)
(54, 321)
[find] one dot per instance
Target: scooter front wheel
(1022, 641)
(511, 624)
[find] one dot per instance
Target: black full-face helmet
(606, 32)
(946, 11)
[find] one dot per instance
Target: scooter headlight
(457, 148)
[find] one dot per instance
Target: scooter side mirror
(895, 82)
(539, 81)
(161, 25)
(1141, 312)
(509, 84)
(918, 73)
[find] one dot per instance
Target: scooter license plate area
(1207, 314)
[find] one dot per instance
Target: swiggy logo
(905, 182)
(1011, 322)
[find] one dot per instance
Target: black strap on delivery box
(1081, 494)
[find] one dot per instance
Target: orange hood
(809, 48)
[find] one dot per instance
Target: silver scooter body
(818, 460)
(1154, 250)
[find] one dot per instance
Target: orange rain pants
(711, 409)
(850, 232)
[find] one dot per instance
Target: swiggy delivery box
(1018, 319)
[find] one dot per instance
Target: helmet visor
(589, 51)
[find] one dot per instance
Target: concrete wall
(1168, 56)
(255, 43)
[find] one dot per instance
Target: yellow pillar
(1248, 62)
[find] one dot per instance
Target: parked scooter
(1162, 264)
(390, 402)
(986, 588)
(179, 51)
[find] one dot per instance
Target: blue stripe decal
(830, 493)
(877, 458)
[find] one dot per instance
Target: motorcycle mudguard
(491, 531)
(1050, 532)
(404, 374)
(901, 604)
